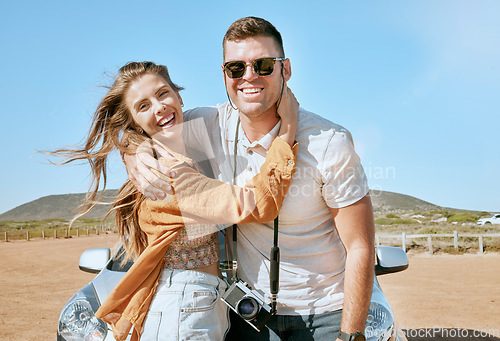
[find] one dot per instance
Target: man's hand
(139, 168)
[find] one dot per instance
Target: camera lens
(248, 308)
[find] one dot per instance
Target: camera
(248, 304)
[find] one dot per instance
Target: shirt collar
(267, 140)
(231, 117)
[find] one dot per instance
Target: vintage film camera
(248, 304)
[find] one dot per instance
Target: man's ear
(287, 69)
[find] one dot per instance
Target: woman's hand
(288, 110)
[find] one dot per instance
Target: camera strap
(234, 268)
(275, 251)
(274, 271)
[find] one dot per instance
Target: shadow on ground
(451, 334)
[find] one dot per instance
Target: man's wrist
(359, 336)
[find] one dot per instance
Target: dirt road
(39, 276)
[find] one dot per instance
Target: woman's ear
(180, 98)
(137, 127)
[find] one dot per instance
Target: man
(326, 228)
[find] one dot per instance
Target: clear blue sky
(417, 83)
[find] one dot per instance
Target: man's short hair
(249, 27)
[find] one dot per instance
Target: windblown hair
(249, 27)
(113, 128)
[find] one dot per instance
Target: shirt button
(249, 168)
(250, 152)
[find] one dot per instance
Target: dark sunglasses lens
(264, 67)
(235, 69)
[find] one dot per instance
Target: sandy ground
(444, 292)
(39, 276)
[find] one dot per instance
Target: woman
(173, 289)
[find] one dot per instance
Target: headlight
(78, 322)
(379, 324)
(380, 320)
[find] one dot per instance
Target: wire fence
(438, 240)
(30, 234)
(430, 242)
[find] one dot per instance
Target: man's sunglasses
(261, 66)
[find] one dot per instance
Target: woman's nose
(160, 108)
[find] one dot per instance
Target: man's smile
(251, 91)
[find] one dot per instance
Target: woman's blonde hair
(113, 128)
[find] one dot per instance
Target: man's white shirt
(328, 175)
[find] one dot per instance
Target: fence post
(55, 234)
(403, 240)
(429, 241)
(455, 239)
(28, 235)
(78, 232)
(67, 233)
(96, 230)
(481, 248)
(6, 237)
(43, 234)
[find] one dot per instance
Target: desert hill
(65, 206)
(385, 201)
